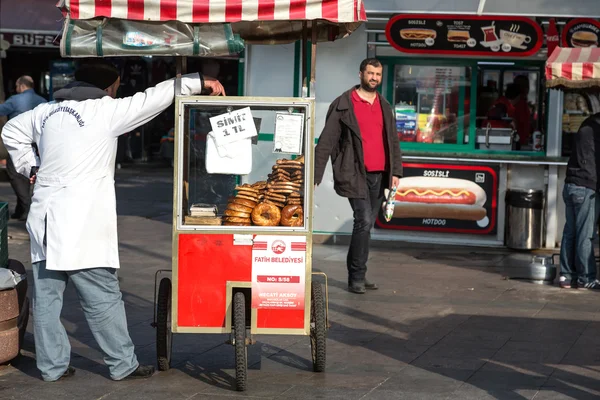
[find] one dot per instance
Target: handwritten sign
(233, 126)
(289, 129)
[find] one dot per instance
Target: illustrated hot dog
(442, 198)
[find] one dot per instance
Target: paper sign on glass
(289, 129)
(233, 126)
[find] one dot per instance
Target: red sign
(445, 198)
(464, 35)
(581, 32)
(552, 37)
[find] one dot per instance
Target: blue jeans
(577, 262)
(100, 298)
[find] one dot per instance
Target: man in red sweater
(360, 137)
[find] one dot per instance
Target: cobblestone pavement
(445, 324)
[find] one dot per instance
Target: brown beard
(364, 84)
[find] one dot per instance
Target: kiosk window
(432, 103)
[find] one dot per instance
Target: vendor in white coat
(73, 216)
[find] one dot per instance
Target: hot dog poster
(445, 198)
(464, 35)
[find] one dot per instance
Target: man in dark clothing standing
(26, 99)
(361, 139)
(577, 262)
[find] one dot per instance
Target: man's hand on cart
(214, 85)
(395, 181)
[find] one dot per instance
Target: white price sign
(233, 126)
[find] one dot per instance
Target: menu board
(445, 198)
(464, 35)
(581, 33)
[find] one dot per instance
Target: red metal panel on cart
(206, 262)
(280, 319)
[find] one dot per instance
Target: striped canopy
(218, 11)
(573, 68)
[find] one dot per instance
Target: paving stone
(445, 325)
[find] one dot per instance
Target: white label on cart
(289, 129)
(278, 272)
(233, 126)
(242, 240)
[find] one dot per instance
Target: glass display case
(243, 164)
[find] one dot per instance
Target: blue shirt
(20, 103)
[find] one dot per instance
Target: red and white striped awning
(573, 67)
(218, 11)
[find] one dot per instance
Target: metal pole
(304, 58)
(313, 58)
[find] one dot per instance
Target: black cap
(99, 73)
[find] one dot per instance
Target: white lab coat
(72, 221)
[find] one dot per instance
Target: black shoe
(16, 215)
(371, 285)
(358, 288)
(68, 373)
(141, 372)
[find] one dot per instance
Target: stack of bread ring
(277, 201)
(239, 208)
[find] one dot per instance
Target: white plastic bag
(232, 159)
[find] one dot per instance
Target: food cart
(243, 173)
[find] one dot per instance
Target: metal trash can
(524, 218)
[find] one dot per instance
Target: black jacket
(341, 140)
(582, 169)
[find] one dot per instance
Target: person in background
(73, 218)
(26, 99)
(361, 139)
(504, 107)
(522, 111)
(582, 202)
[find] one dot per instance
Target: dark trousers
(365, 214)
(21, 187)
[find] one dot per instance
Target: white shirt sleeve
(124, 115)
(18, 136)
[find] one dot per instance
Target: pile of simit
(276, 201)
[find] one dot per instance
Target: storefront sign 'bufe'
(464, 35)
(582, 33)
(446, 198)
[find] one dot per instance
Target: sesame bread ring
(265, 214)
(237, 219)
(249, 198)
(243, 202)
(292, 215)
(241, 214)
(246, 188)
(275, 203)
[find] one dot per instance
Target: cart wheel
(164, 336)
(241, 355)
(318, 327)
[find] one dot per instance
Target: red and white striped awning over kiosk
(98, 28)
(219, 11)
(573, 68)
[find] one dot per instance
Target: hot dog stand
(443, 73)
(243, 173)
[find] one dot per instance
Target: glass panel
(260, 176)
(508, 108)
(527, 107)
(432, 103)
